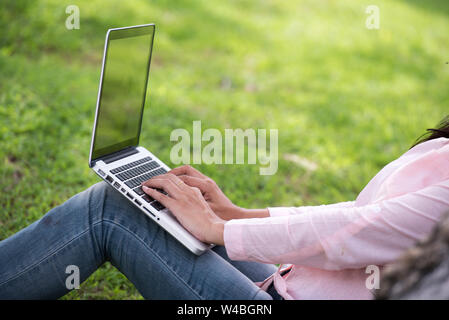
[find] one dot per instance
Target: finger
(156, 195)
(197, 191)
(164, 183)
(187, 170)
(177, 181)
(194, 182)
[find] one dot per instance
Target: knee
(99, 196)
(95, 195)
(82, 208)
(98, 192)
(106, 203)
(89, 203)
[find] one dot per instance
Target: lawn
(346, 99)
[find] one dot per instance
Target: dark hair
(414, 274)
(442, 131)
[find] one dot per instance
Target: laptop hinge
(119, 155)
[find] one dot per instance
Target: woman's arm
(286, 211)
(226, 210)
(339, 238)
(217, 200)
(252, 213)
(329, 237)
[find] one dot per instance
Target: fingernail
(145, 188)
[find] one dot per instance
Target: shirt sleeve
(335, 238)
(285, 211)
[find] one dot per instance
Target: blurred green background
(346, 100)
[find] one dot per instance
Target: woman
(327, 248)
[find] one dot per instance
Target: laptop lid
(122, 90)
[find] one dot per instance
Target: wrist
(253, 213)
(217, 232)
(236, 212)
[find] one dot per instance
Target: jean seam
(99, 206)
(155, 254)
(257, 292)
(48, 255)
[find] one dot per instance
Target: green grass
(343, 97)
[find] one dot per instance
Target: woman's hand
(188, 206)
(216, 199)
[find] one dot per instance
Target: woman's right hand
(217, 200)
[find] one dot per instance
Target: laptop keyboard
(130, 165)
(134, 173)
(131, 173)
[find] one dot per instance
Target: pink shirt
(330, 246)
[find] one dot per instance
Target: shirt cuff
(279, 211)
(233, 240)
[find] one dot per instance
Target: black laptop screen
(123, 89)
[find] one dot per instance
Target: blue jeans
(99, 225)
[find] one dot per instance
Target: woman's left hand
(188, 206)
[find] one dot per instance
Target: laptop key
(139, 191)
(147, 198)
(157, 205)
(162, 191)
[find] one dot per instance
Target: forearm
(243, 213)
(217, 227)
(337, 238)
(254, 213)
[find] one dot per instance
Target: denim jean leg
(34, 261)
(162, 268)
(98, 225)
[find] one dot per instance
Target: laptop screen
(123, 89)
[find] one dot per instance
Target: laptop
(115, 154)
